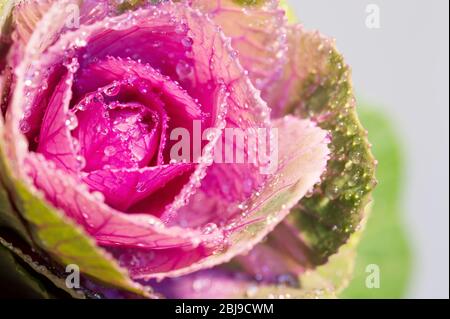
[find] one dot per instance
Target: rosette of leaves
(38, 241)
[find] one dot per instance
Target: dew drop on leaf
(24, 126)
(184, 69)
(71, 121)
(209, 228)
(187, 42)
(110, 151)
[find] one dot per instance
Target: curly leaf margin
(335, 209)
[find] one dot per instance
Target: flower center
(113, 132)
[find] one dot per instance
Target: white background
(403, 68)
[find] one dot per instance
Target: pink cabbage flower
(99, 98)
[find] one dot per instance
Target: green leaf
(334, 276)
(290, 12)
(5, 25)
(35, 279)
(384, 242)
(5, 12)
(13, 274)
(249, 2)
(322, 91)
(129, 5)
(68, 244)
(9, 217)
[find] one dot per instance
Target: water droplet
(81, 106)
(187, 42)
(209, 228)
(98, 98)
(251, 291)
(76, 145)
(80, 42)
(72, 65)
(332, 191)
(356, 157)
(270, 220)
(348, 195)
(98, 196)
(181, 28)
(112, 90)
(200, 284)
(243, 207)
(310, 193)
(183, 69)
(27, 112)
(143, 89)
(81, 161)
(104, 131)
(156, 44)
(110, 151)
(71, 121)
(24, 126)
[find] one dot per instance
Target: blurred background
(399, 54)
